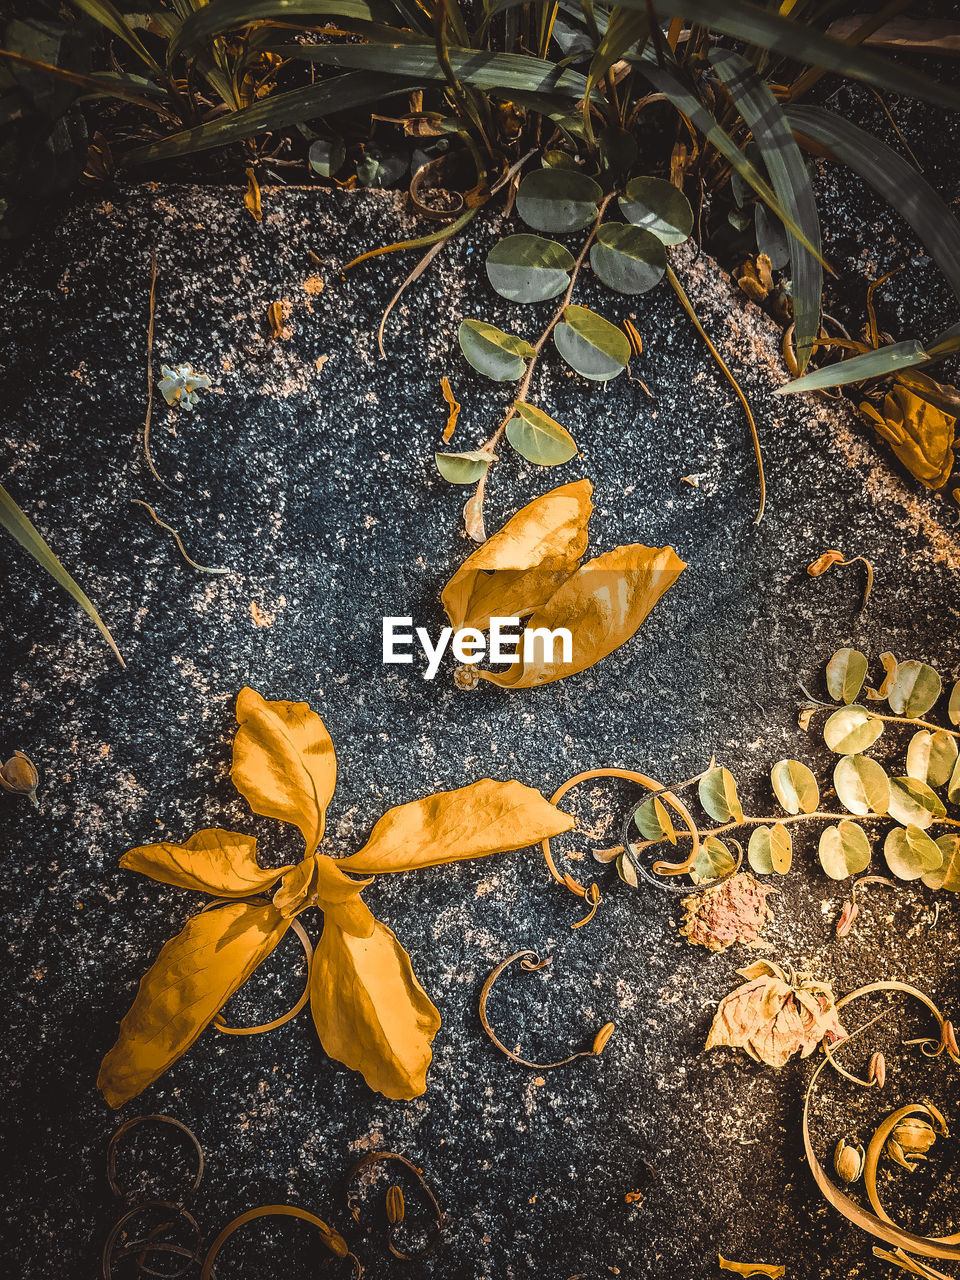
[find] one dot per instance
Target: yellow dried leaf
(190, 981)
(284, 764)
(319, 882)
(251, 197)
(521, 566)
(920, 434)
(752, 1268)
(453, 408)
(755, 277)
(223, 863)
(370, 1011)
(772, 1016)
(602, 605)
(472, 822)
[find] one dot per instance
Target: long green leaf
(109, 16)
(796, 40)
(341, 93)
(225, 15)
(892, 177)
(476, 67)
(667, 82)
(18, 524)
(872, 364)
(625, 29)
(764, 118)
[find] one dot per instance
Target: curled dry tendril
(394, 1205)
(530, 962)
(331, 1239)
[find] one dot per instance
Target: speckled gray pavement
(308, 472)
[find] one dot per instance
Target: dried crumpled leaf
(751, 1268)
(218, 862)
(370, 1010)
(284, 764)
(755, 277)
(471, 822)
(734, 911)
(521, 566)
(188, 984)
(774, 1015)
(920, 434)
(602, 605)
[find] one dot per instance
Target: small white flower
(180, 385)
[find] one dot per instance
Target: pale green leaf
(844, 850)
(713, 860)
(657, 206)
(846, 672)
(910, 853)
(718, 795)
(527, 268)
(492, 352)
(770, 849)
(915, 690)
(795, 786)
(627, 259)
(591, 346)
(557, 200)
(851, 730)
(932, 757)
(538, 438)
(913, 803)
(947, 875)
(861, 785)
(463, 468)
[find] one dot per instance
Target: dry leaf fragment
(755, 277)
(251, 198)
(275, 319)
(190, 981)
(472, 822)
(735, 910)
(453, 409)
(19, 776)
(370, 1011)
(521, 566)
(920, 434)
(773, 1015)
(823, 562)
(222, 863)
(752, 1268)
(284, 764)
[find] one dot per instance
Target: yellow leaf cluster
(370, 1011)
(920, 433)
(532, 569)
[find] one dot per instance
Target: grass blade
(224, 15)
(109, 16)
(764, 118)
(295, 106)
(475, 67)
(667, 82)
(18, 524)
(892, 177)
(626, 28)
(872, 364)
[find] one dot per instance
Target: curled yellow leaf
(190, 981)
(485, 818)
(920, 434)
(370, 1011)
(521, 566)
(223, 863)
(319, 882)
(602, 605)
(284, 764)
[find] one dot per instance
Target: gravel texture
(308, 472)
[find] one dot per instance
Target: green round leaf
(851, 730)
(915, 690)
(557, 200)
(527, 268)
(462, 468)
(846, 672)
(591, 346)
(844, 850)
(910, 853)
(492, 352)
(953, 707)
(326, 156)
(770, 849)
(648, 820)
(795, 786)
(861, 785)
(947, 875)
(914, 803)
(932, 757)
(628, 259)
(658, 206)
(627, 871)
(953, 786)
(718, 795)
(538, 438)
(713, 860)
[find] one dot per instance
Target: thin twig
(176, 537)
(146, 423)
(688, 307)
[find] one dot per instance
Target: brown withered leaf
(735, 910)
(771, 1269)
(521, 566)
(370, 1011)
(284, 764)
(774, 1015)
(223, 863)
(602, 605)
(190, 981)
(755, 277)
(920, 434)
(472, 822)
